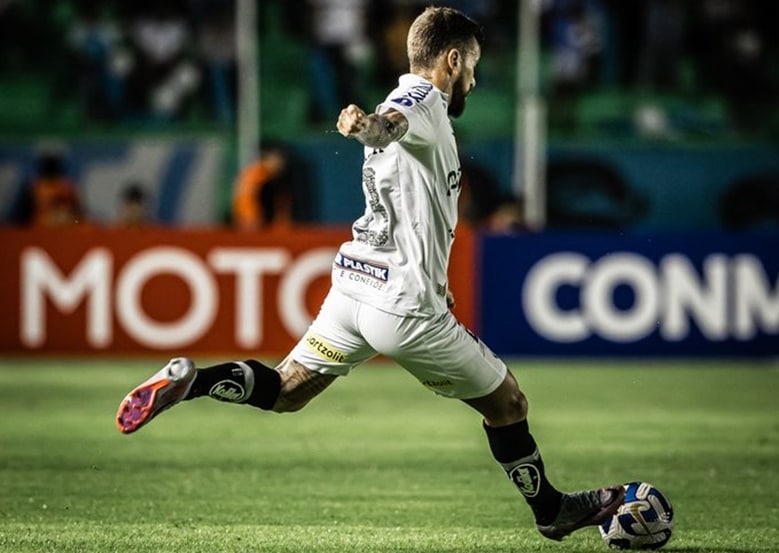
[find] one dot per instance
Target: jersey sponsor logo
(323, 349)
(413, 95)
(362, 279)
(379, 272)
(227, 390)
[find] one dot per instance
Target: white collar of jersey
(410, 79)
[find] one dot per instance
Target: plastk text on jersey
(375, 271)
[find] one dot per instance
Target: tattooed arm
(372, 130)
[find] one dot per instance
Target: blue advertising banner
(180, 176)
(639, 295)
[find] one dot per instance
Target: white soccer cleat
(165, 389)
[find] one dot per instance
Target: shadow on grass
(714, 549)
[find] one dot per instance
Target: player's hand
(351, 121)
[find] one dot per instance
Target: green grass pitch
(378, 463)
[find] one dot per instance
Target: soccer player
(389, 290)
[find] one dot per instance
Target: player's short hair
(437, 30)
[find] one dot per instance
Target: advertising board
(639, 295)
(125, 291)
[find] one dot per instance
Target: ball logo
(636, 509)
(526, 478)
(227, 390)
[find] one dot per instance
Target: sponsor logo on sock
(527, 478)
(227, 390)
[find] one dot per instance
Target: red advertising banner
(82, 291)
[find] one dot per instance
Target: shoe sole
(163, 390)
(595, 520)
(138, 407)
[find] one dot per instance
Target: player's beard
(457, 100)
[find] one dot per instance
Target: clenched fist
(352, 121)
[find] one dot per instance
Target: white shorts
(438, 350)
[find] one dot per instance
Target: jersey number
(378, 234)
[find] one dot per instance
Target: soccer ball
(645, 521)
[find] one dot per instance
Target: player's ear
(454, 61)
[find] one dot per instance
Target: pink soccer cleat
(165, 389)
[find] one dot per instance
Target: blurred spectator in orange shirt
(133, 206)
(263, 194)
(508, 217)
(55, 199)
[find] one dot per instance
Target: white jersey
(397, 260)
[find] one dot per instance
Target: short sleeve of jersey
(416, 101)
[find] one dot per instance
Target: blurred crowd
(266, 197)
(165, 60)
(726, 50)
(51, 198)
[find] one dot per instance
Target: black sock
(516, 451)
(229, 382)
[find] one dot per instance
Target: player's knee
(299, 386)
(512, 409)
(505, 405)
(520, 405)
(290, 399)
(513, 404)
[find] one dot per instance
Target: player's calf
(285, 389)
(248, 382)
